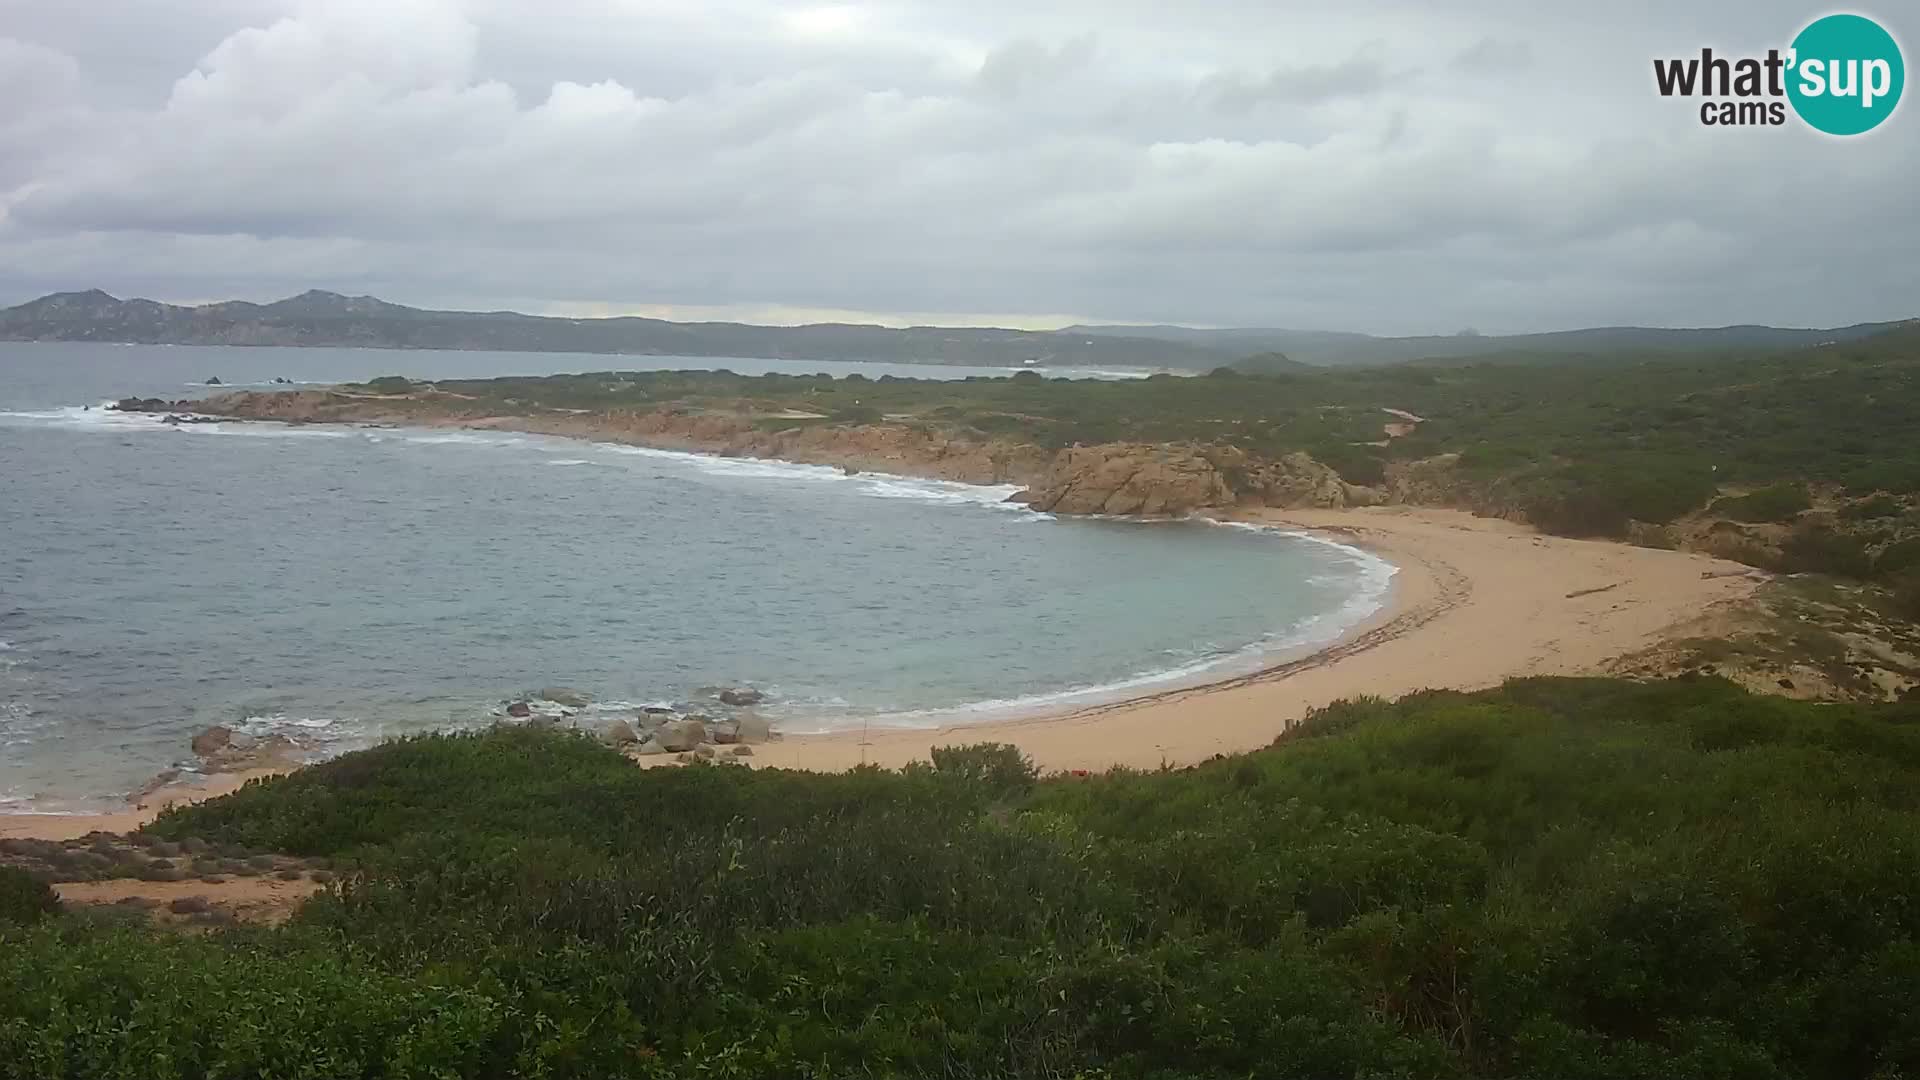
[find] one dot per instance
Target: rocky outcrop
(1131, 479)
(222, 749)
(1171, 481)
(149, 405)
(1293, 481)
(212, 741)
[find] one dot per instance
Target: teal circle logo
(1845, 74)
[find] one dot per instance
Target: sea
(350, 584)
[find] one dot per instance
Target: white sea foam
(464, 438)
(267, 383)
(101, 418)
(565, 462)
(875, 485)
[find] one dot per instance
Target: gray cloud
(1384, 166)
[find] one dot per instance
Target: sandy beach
(68, 826)
(1475, 601)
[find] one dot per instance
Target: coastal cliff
(1120, 478)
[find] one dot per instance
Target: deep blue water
(349, 583)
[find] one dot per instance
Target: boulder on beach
(724, 734)
(751, 727)
(562, 695)
(618, 734)
(681, 735)
(741, 695)
(650, 747)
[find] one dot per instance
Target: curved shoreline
(1476, 601)
(1441, 558)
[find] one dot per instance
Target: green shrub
(1559, 877)
(1898, 557)
(25, 898)
(1906, 596)
(1820, 549)
(1781, 502)
(390, 384)
(857, 414)
(1000, 767)
(1873, 508)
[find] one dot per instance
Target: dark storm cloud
(1383, 166)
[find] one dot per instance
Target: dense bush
(390, 384)
(1898, 557)
(1873, 508)
(1821, 549)
(1584, 878)
(25, 898)
(1780, 502)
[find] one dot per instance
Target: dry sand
(257, 899)
(1475, 601)
(68, 826)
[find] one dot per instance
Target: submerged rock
(563, 695)
(520, 710)
(741, 695)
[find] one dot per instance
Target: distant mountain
(1338, 349)
(324, 318)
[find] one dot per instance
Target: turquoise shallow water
(349, 583)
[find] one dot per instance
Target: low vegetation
(1560, 878)
(1810, 451)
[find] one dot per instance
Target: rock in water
(562, 695)
(741, 695)
(520, 710)
(681, 735)
(213, 740)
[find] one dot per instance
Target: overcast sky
(1377, 165)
